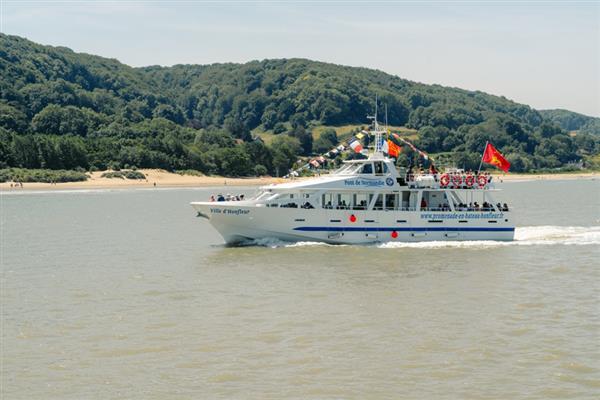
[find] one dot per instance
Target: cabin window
(380, 168)
(327, 200)
(391, 200)
(343, 201)
(406, 203)
(360, 201)
(367, 169)
(376, 200)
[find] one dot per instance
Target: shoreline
(163, 179)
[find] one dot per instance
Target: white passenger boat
(367, 201)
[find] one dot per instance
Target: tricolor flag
(384, 146)
(494, 157)
(356, 146)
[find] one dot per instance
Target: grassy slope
(343, 132)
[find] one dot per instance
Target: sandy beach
(164, 179)
(154, 178)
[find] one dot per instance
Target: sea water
(125, 294)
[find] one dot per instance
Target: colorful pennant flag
(356, 146)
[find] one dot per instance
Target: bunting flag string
(391, 146)
(396, 139)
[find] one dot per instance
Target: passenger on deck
(212, 197)
(433, 171)
(504, 207)
(423, 204)
(220, 197)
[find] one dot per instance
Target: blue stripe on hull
(403, 229)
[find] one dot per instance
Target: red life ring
(445, 180)
(457, 180)
(481, 180)
(470, 180)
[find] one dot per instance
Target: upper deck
(380, 172)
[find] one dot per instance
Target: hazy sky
(545, 54)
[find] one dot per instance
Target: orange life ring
(481, 180)
(470, 180)
(457, 180)
(445, 180)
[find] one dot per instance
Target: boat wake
(524, 236)
(277, 243)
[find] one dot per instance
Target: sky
(544, 54)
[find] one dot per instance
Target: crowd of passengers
(474, 206)
(227, 197)
(412, 174)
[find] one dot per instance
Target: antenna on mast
(386, 123)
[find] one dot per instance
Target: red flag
(494, 157)
(393, 149)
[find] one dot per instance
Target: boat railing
(449, 180)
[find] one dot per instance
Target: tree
(305, 139)
(13, 119)
(285, 150)
(326, 141)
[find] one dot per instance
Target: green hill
(572, 121)
(65, 110)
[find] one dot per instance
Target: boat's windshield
(377, 168)
(350, 169)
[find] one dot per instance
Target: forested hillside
(572, 121)
(66, 110)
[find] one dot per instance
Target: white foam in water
(524, 236)
(276, 243)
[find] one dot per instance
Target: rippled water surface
(125, 294)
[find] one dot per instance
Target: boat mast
(378, 154)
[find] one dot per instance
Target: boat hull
(239, 222)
